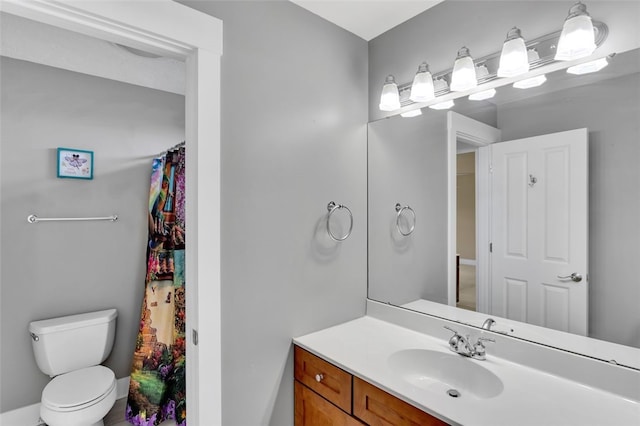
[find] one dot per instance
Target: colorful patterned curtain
(157, 387)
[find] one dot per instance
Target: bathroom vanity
(391, 368)
(326, 394)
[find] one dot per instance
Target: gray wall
(610, 110)
(294, 113)
(436, 35)
(408, 165)
(54, 269)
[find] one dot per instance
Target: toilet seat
(78, 389)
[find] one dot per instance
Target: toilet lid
(78, 387)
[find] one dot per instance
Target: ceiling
(366, 18)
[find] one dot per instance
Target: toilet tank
(72, 342)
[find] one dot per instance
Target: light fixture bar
(545, 45)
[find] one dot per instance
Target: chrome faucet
(462, 346)
(486, 325)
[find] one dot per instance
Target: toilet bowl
(80, 398)
(70, 349)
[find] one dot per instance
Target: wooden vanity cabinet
(377, 407)
(325, 395)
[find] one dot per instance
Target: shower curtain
(157, 387)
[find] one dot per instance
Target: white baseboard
(25, 416)
(122, 386)
(30, 415)
(471, 262)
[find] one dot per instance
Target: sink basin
(440, 372)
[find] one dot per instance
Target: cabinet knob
(319, 377)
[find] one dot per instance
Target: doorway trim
(171, 29)
(480, 135)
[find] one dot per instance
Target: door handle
(575, 277)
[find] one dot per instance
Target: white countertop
(530, 397)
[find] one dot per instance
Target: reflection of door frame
(175, 31)
(480, 135)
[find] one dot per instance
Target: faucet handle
(479, 351)
(454, 340)
(455, 332)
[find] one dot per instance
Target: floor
(115, 417)
(467, 287)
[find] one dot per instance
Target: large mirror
(577, 205)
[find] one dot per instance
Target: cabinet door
(313, 410)
(378, 408)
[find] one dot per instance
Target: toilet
(70, 349)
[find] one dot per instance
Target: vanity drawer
(313, 410)
(327, 380)
(376, 407)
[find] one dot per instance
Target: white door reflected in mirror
(539, 230)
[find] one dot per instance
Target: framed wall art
(75, 163)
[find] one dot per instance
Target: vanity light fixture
(422, 87)
(577, 39)
(513, 59)
(482, 73)
(534, 81)
(463, 76)
(440, 86)
(412, 113)
(563, 44)
(589, 67)
(390, 98)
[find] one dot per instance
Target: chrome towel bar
(32, 218)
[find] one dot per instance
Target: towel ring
(401, 209)
(332, 207)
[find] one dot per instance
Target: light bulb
(463, 76)
(390, 98)
(577, 39)
(440, 85)
(513, 59)
(422, 87)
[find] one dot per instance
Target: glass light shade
(530, 82)
(443, 105)
(422, 87)
(440, 85)
(481, 96)
(481, 72)
(390, 98)
(588, 67)
(577, 39)
(463, 76)
(412, 113)
(513, 59)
